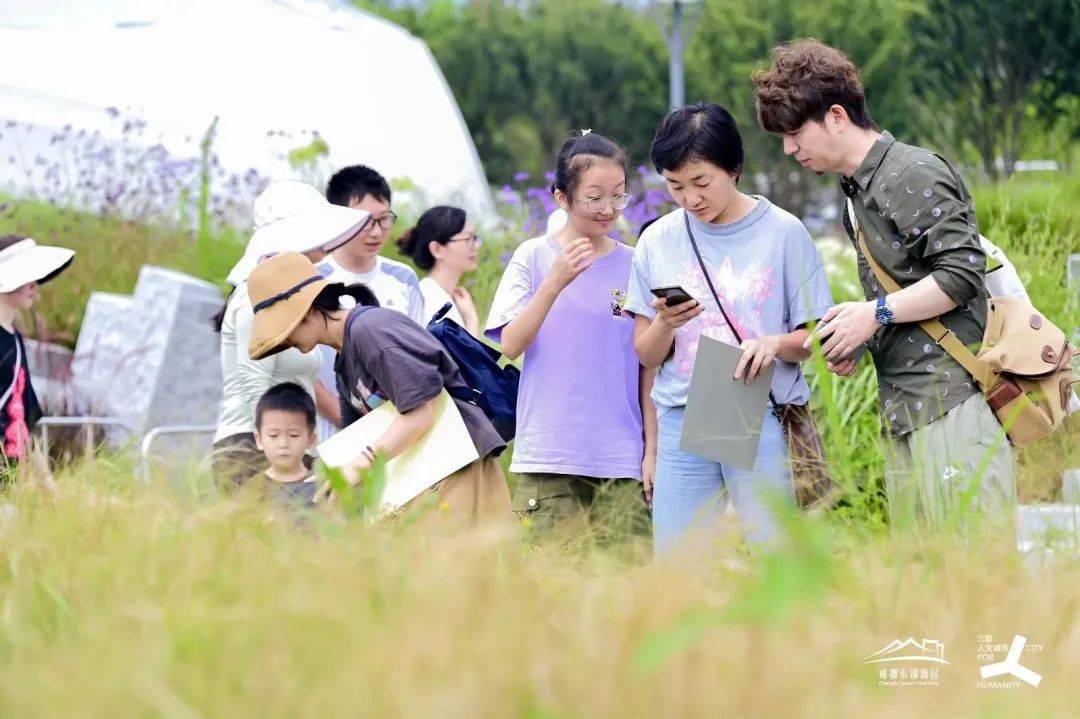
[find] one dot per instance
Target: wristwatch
(882, 313)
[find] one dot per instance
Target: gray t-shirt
(293, 494)
(768, 274)
(387, 356)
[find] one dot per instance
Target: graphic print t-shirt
(578, 409)
(767, 272)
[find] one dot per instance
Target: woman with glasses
(445, 245)
(580, 403)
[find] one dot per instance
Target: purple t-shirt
(578, 408)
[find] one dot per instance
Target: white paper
(443, 450)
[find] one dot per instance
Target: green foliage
(109, 254)
(365, 498)
(309, 154)
(526, 75)
(994, 76)
(988, 62)
(733, 39)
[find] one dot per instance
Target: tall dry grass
(124, 599)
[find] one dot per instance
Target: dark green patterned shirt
(918, 220)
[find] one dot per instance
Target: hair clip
(585, 132)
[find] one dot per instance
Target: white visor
(26, 261)
(326, 228)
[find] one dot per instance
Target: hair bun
(407, 242)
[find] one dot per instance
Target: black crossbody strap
(716, 296)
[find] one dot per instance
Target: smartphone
(675, 295)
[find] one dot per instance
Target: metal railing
(168, 430)
(146, 443)
(89, 422)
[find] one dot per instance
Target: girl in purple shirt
(580, 432)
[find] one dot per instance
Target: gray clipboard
(723, 416)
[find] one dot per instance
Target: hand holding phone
(674, 295)
(676, 306)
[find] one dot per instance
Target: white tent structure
(277, 73)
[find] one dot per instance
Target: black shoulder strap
(708, 279)
(442, 312)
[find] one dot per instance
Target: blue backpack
(493, 388)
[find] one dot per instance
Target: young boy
(285, 431)
(918, 221)
(395, 284)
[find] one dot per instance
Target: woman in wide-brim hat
(382, 356)
(24, 266)
(290, 217)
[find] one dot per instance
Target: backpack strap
(465, 394)
(938, 332)
(442, 312)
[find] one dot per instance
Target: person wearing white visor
(24, 266)
(289, 217)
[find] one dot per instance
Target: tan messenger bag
(1024, 367)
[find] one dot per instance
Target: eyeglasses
(599, 204)
(473, 241)
(386, 221)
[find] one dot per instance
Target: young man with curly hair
(945, 449)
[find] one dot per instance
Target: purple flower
(549, 176)
(655, 197)
(521, 176)
(508, 196)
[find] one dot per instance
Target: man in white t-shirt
(394, 283)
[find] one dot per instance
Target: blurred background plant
(400, 622)
(502, 57)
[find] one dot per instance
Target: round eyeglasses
(386, 221)
(599, 204)
(472, 241)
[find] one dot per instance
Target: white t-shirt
(244, 380)
(435, 298)
(396, 286)
(394, 283)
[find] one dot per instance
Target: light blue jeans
(691, 493)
